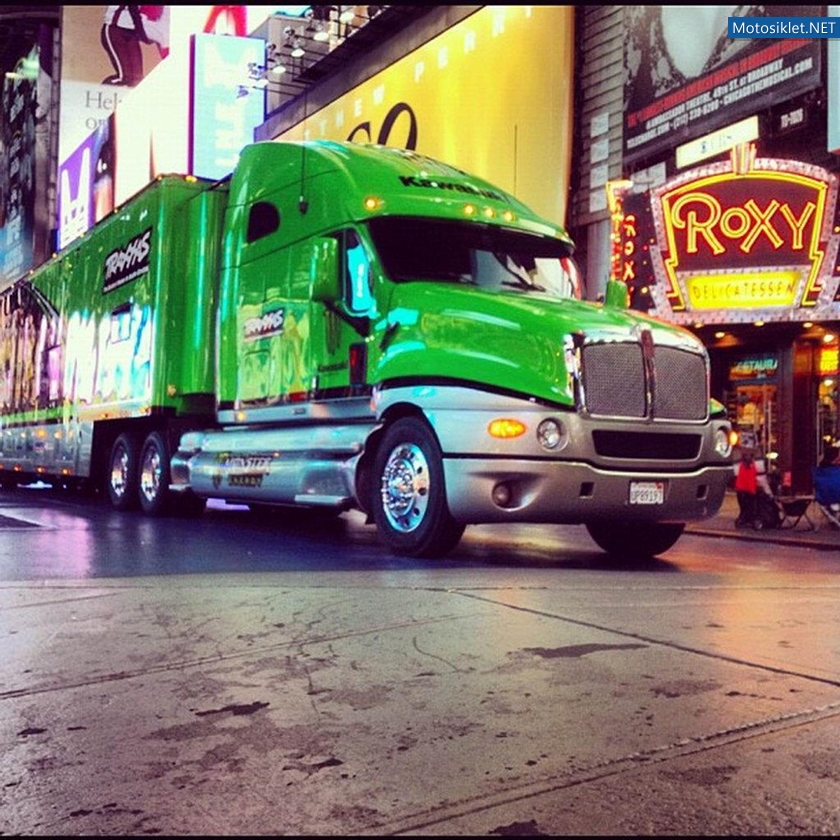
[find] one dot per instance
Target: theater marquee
(736, 241)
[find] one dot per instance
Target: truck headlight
(723, 443)
(552, 434)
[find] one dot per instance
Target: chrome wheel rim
(405, 487)
(119, 472)
(150, 473)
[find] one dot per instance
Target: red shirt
(747, 479)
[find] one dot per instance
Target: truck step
(343, 502)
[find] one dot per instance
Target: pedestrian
(746, 489)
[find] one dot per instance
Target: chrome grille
(615, 381)
(680, 385)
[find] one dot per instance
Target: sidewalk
(825, 536)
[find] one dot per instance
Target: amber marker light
(509, 216)
(489, 213)
(470, 209)
(504, 427)
(372, 203)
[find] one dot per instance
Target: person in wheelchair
(827, 485)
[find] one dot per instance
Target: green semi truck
(342, 326)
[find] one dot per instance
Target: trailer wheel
(409, 503)
(153, 480)
(635, 539)
(122, 473)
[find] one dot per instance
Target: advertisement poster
(25, 221)
(105, 55)
(684, 77)
(514, 130)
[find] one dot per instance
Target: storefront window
(752, 400)
(828, 403)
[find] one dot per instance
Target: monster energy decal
(241, 470)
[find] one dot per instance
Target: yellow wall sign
(770, 288)
(829, 362)
(492, 95)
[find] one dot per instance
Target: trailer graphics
(125, 264)
(344, 326)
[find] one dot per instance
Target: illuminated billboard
(105, 57)
(186, 117)
(222, 120)
(684, 76)
(25, 124)
(492, 94)
(735, 241)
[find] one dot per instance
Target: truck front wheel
(409, 499)
(635, 539)
(122, 473)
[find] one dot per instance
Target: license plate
(647, 492)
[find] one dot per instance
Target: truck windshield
(490, 257)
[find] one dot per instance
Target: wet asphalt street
(230, 675)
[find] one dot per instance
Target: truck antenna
(303, 204)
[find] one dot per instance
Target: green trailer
(344, 326)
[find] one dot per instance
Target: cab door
(341, 326)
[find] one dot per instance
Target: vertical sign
(226, 104)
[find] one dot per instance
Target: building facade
(713, 178)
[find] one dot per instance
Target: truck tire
(635, 539)
(153, 477)
(121, 480)
(409, 494)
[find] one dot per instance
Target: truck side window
(356, 267)
(263, 219)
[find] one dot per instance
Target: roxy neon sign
(751, 234)
(704, 220)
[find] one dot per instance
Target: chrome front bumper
(573, 492)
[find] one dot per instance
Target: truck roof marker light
(373, 203)
(470, 209)
(505, 427)
(489, 213)
(509, 216)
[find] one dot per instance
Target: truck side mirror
(326, 284)
(617, 295)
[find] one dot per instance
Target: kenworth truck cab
(346, 326)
